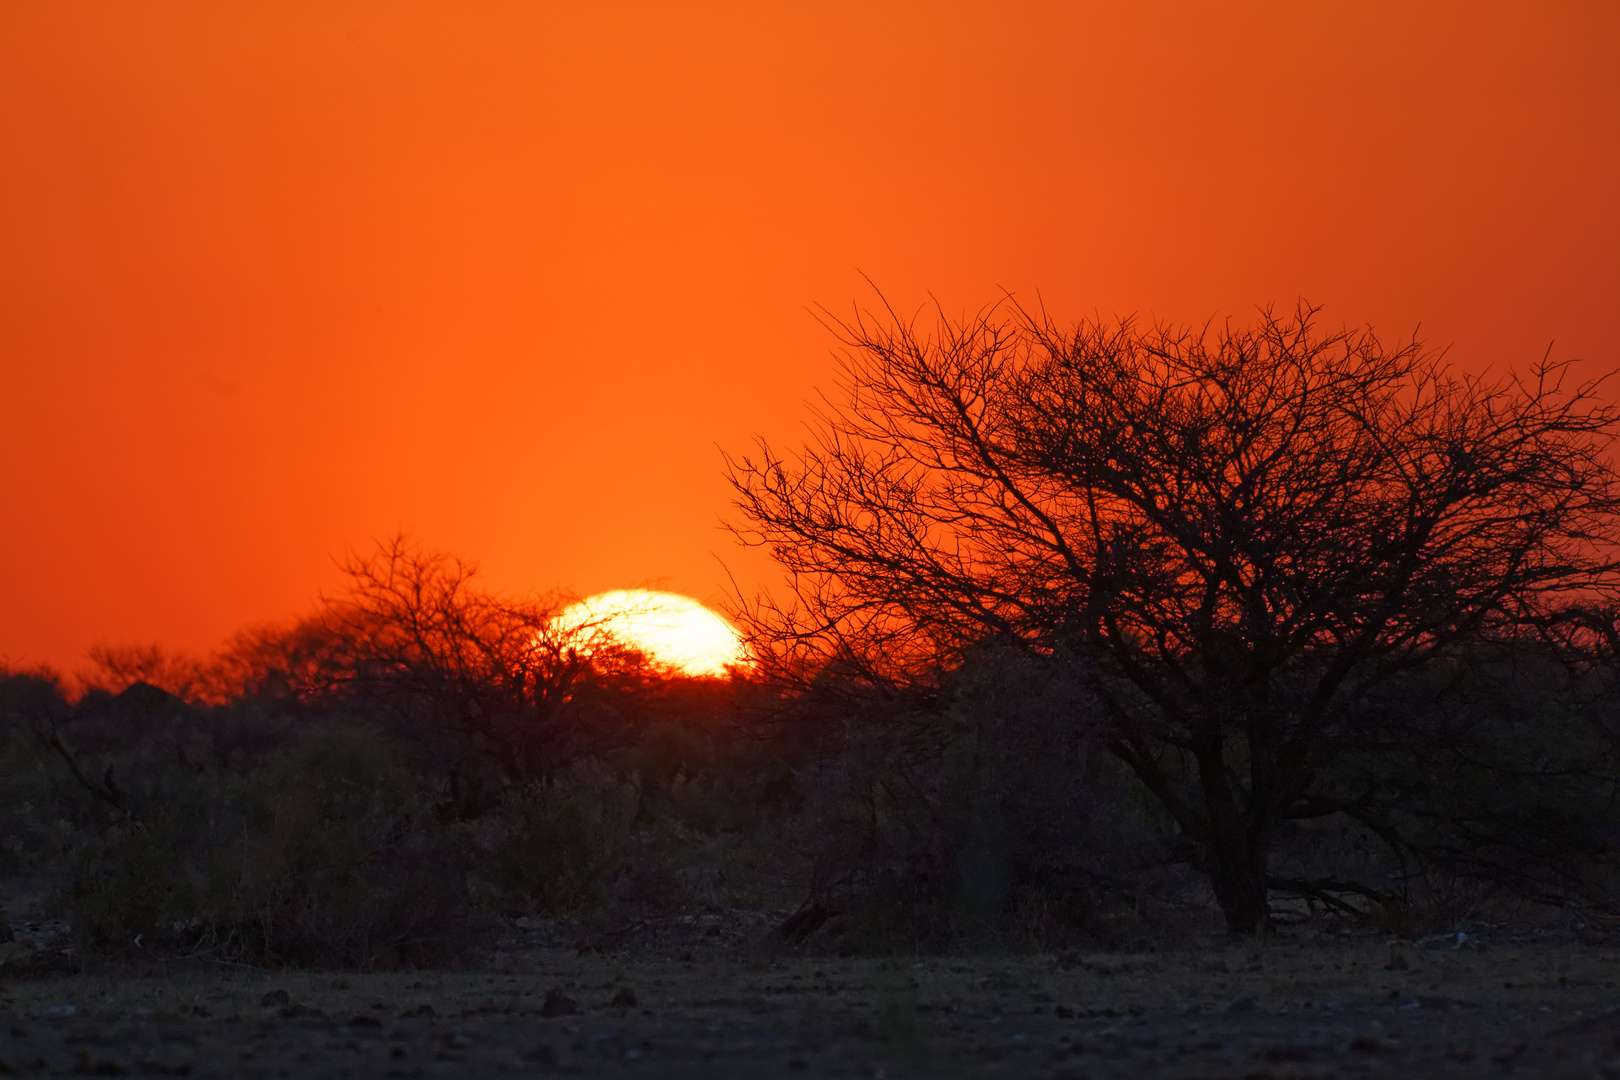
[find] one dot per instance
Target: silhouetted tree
(487, 687)
(1237, 534)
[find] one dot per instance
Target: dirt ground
(1299, 1006)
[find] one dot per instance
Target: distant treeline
(388, 781)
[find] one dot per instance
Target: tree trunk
(1238, 873)
(1231, 841)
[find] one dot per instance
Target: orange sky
(281, 278)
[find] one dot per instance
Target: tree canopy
(1237, 531)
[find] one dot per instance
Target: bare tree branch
(1244, 529)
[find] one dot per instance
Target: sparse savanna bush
(974, 809)
(328, 854)
(266, 830)
(1511, 803)
(718, 820)
(979, 806)
(343, 804)
(1474, 794)
(680, 817)
(37, 823)
(708, 782)
(555, 845)
(983, 811)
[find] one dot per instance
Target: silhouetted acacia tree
(486, 686)
(1237, 532)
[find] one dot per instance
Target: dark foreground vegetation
(1100, 641)
(398, 799)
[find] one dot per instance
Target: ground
(1299, 1005)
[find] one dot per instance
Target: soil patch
(1317, 1008)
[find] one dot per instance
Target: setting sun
(669, 628)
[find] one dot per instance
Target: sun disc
(667, 627)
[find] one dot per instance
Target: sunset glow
(669, 628)
(276, 279)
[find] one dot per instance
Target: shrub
(558, 842)
(711, 784)
(328, 855)
(44, 807)
(988, 813)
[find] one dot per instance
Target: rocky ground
(1292, 1006)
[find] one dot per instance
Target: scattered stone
(558, 1004)
(25, 959)
(1368, 1044)
(1231, 1032)
(99, 1066)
